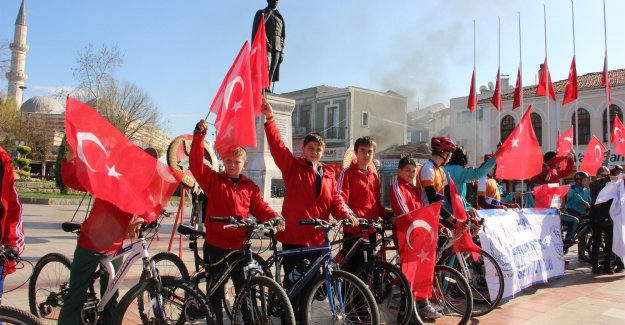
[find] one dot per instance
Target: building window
(304, 117)
(584, 126)
(614, 111)
(537, 124)
(507, 126)
(332, 122)
(365, 120)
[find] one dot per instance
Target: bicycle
(149, 301)
(334, 296)
(219, 274)
(386, 281)
(481, 270)
(12, 315)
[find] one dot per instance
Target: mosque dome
(43, 104)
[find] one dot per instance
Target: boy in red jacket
(230, 194)
(102, 234)
(11, 229)
(359, 185)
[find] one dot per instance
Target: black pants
(213, 254)
(288, 264)
(600, 232)
(357, 262)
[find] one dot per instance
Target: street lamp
(23, 88)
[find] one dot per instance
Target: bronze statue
(274, 29)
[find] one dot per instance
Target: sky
(180, 51)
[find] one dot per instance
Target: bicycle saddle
(71, 226)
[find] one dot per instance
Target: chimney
(505, 82)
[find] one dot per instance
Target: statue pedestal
(261, 167)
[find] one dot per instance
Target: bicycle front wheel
(452, 294)
(484, 276)
(392, 292)
(177, 302)
(11, 315)
(262, 301)
(48, 286)
(344, 298)
(169, 264)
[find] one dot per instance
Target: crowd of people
(314, 191)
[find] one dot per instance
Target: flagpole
(498, 78)
(547, 90)
(607, 76)
(475, 92)
(521, 92)
(576, 100)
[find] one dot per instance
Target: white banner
(526, 243)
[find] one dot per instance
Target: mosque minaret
(17, 75)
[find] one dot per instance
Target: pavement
(578, 298)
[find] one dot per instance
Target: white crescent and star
(228, 93)
(515, 143)
(598, 148)
(88, 136)
(414, 225)
(569, 139)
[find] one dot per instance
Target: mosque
(43, 117)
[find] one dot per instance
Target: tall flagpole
(521, 91)
(576, 100)
(498, 78)
(475, 91)
(607, 78)
(547, 92)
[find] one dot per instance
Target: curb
(60, 201)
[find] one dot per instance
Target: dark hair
(458, 157)
(404, 161)
(364, 141)
(151, 151)
(548, 155)
(316, 137)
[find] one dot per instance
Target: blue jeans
(571, 223)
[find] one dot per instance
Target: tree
(9, 128)
(124, 104)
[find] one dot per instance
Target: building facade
(427, 122)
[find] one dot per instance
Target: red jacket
(362, 194)
(226, 199)
(404, 197)
(551, 175)
(12, 231)
(300, 200)
(106, 227)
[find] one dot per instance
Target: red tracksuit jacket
(404, 197)
(362, 194)
(300, 199)
(226, 199)
(12, 231)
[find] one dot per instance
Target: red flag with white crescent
(417, 233)
(593, 157)
(618, 138)
(465, 243)
(548, 196)
(565, 143)
(259, 65)
(114, 169)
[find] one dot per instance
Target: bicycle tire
(270, 303)
(348, 283)
(584, 244)
(15, 316)
(135, 305)
(392, 292)
(485, 264)
(452, 293)
(230, 291)
(169, 264)
(45, 297)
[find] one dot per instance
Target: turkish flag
(570, 93)
(617, 136)
(549, 195)
(464, 243)
(593, 157)
(114, 169)
(520, 155)
(233, 105)
(544, 82)
(417, 233)
(518, 91)
(605, 78)
(472, 104)
(496, 100)
(259, 65)
(565, 143)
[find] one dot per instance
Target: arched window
(507, 126)
(584, 126)
(537, 124)
(614, 110)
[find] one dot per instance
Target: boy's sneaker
(429, 312)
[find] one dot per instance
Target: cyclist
(11, 228)
(230, 194)
(359, 185)
(577, 204)
(310, 192)
(102, 234)
(404, 195)
(489, 191)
